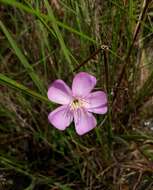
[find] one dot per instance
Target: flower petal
(59, 92)
(82, 84)
(84, 121)
(61, 117)
(96, 102)
(99, 110)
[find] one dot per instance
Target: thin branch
(138, 181)
(84, 62)
(105, 50)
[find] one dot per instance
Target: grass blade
(6, 81)
(47, 18)
(58, 34)
(23, 59)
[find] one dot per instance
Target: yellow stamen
(76, 104)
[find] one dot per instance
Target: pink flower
(77, 103)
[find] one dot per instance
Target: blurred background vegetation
(41, 41)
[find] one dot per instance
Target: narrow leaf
(23, 59)
(6, 81)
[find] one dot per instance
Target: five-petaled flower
(77, 103)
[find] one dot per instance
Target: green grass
(41, 41)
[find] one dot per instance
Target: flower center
(76, 104)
